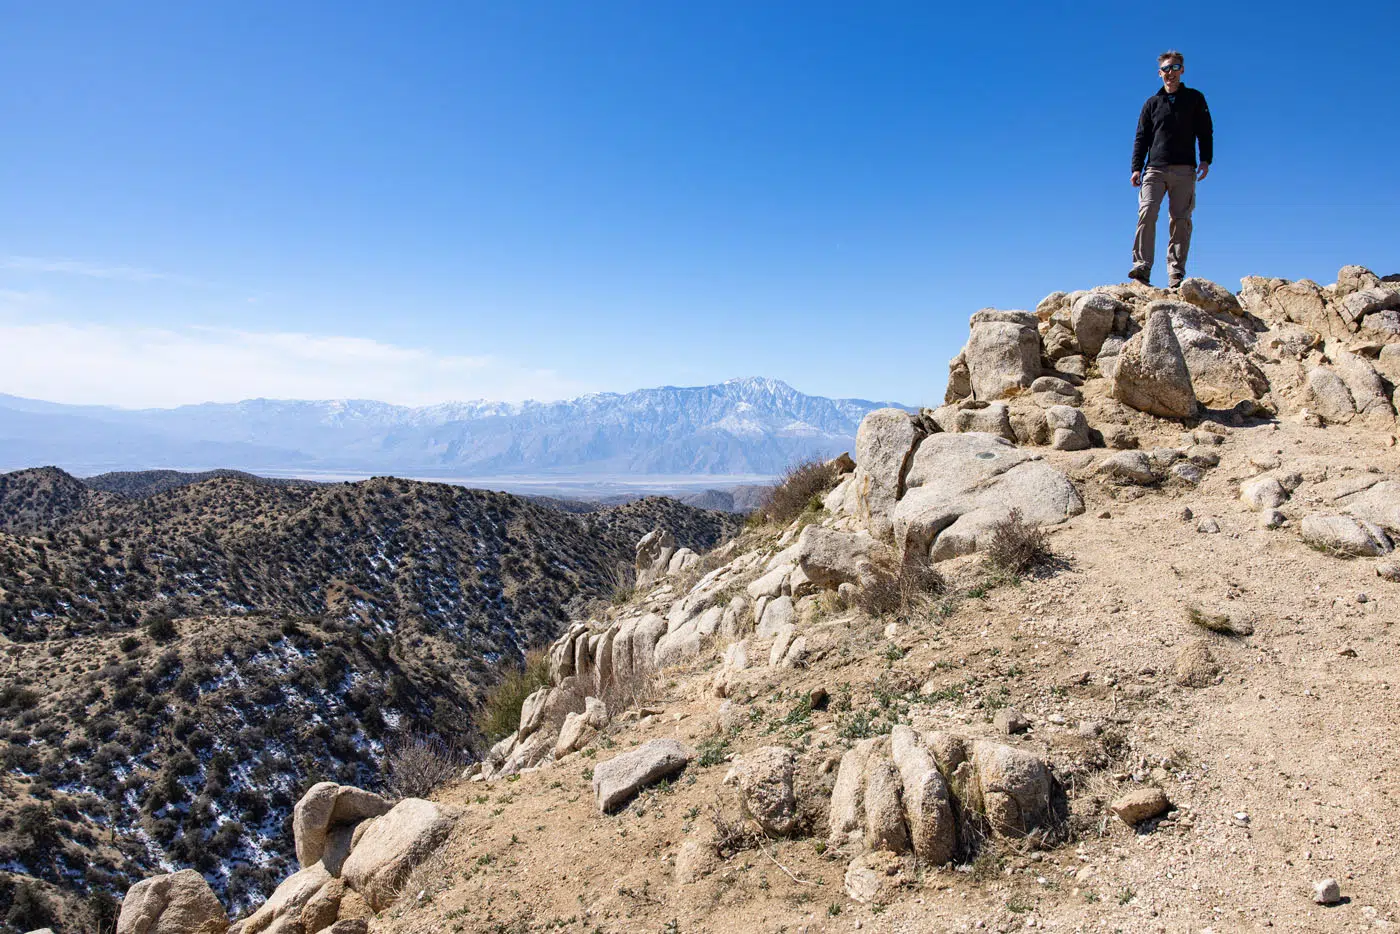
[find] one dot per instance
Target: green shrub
(800, 488)
(500, 710)
(161, 628)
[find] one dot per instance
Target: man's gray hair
(1170, 54)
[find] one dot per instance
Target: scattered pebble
(1139, 805)
(1327, 892)
(1208, 525)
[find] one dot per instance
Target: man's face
(1171, 70)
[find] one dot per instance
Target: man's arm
(1142, 142)
(1205, 135)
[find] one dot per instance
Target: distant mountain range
(743, 427)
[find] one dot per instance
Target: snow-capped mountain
(740, 427)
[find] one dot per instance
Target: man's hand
(1137, 179)
(1202, 171)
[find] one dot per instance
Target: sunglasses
(1171, 69)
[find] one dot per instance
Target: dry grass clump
(635, 689)
(800, 488)
(1218, 623)
(1212, 622)
(500, 710)
(419, 764)
(903, 590)
(1017, 546)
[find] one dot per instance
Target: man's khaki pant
(1178, 183)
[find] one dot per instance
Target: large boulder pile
(355, 849)
(1330, 354)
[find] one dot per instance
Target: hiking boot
(1141, 275)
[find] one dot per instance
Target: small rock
(1129, 467)
(618, 779)
(1389, 571)
(1271, 519)
(1011, 721)
(1347, 651)
(1208, 526)
(1186, 515)
(872, 876)
(1327, 892)
(765, 781)
(1137, 806)
(1344, 536)
(1105, 515)
(695, 860)
(1362, 598)
(1188, 472)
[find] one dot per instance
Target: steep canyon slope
(181, 662)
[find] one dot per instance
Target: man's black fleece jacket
(1168, 128)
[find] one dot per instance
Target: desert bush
(800, 488)
(902, 590)
(161, 628)
(29, 909)
(1017, 547)
(419, 764)
(500, 709)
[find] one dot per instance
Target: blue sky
(417, 202)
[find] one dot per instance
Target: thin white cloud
(150, 367)
(23, 297)
(74, 267)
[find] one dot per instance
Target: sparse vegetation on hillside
(799, 489)
(185, 664)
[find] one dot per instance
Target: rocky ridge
(875, 745)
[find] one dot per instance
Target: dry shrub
(732, 833)
(800, 488)
(500, 710)
(903, 590)
(419, 764)
(1018, 547)
(635, 689)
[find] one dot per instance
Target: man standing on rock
(1164, 165)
